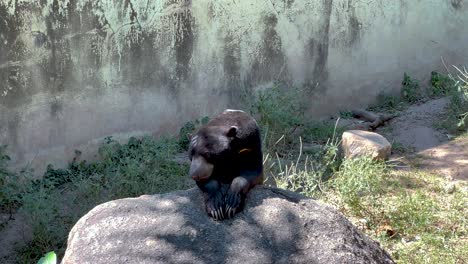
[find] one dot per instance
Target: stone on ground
(359, 143)
(276, 226)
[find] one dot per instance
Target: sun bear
(226, 162)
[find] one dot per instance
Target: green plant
(410, 90)
(308, 174)
(280, 111)
(414, 213)
(47, 214)
(5, 175)
(55, 202)
(346, 114)
(141, 166)
(188, 129)
(456, 120)
(461, 101)
(387, 103)
(359, 178)
(322, 131)
(462, 124)
(458, 113)
(441, 85)
(12, 185)
(49, 258)
(407, 211)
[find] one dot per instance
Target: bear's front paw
(215, 206)
(233, 203)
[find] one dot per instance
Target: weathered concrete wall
(74, 71)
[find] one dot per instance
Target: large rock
(358, 143)
(277, 226)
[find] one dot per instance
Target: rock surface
(358, 143)
(276, 226)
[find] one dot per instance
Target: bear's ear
(232, 132)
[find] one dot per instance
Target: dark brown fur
(226, 162)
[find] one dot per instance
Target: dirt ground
(449, 159)
(15, 234)
(427, 147)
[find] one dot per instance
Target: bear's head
(208, 147)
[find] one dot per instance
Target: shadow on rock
(276, 226)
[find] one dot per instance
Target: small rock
(450, 188)
(358, 143)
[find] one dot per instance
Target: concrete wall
(74, 71)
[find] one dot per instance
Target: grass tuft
(456, 119)
(410, 91)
